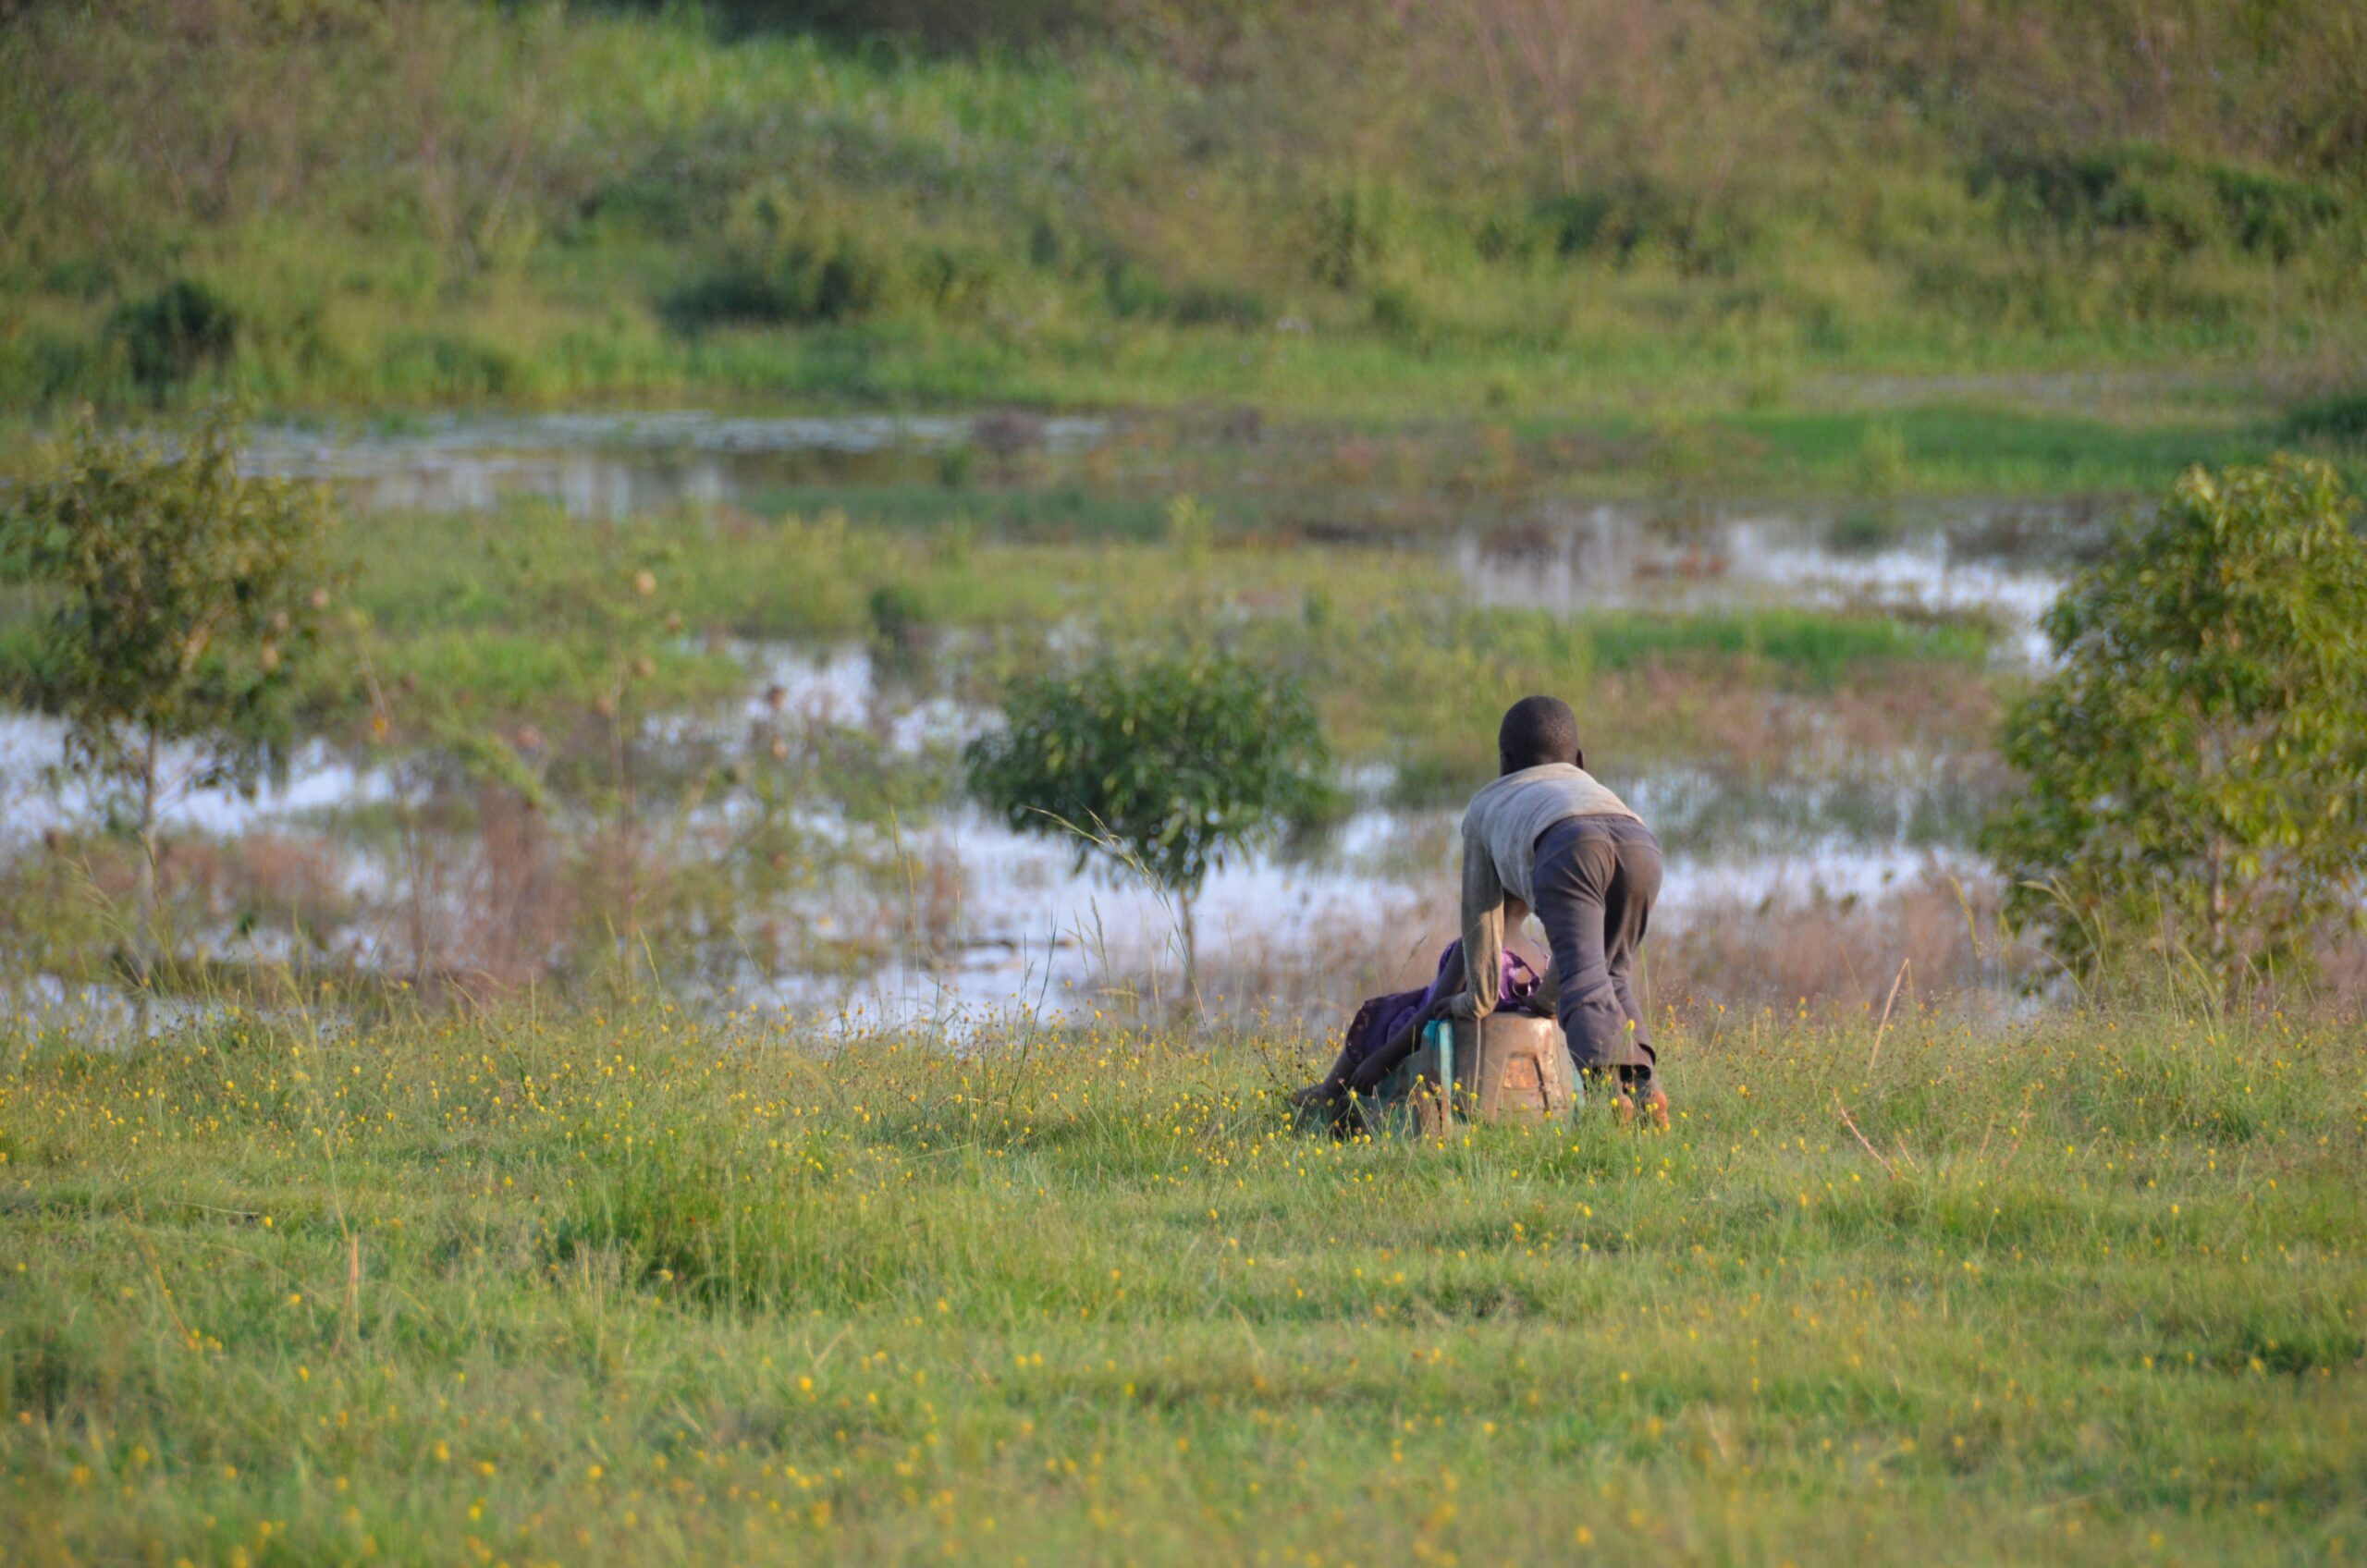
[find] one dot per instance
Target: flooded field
(942, 915)
(1998, 558)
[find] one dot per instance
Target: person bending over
(1548, 835)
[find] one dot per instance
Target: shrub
(1166, 766)
(1616, 222)
(1398, 311)
(2270, 214)
(1865, 529)
(173, 334)
(1598, 222)
(792, 259)
(45, 366)
(1351, 232)
(185, 598)
(900, 624)
(2340, 419)
(2197, 768)
(2152, 191)
(956, 279)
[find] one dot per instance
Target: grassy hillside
(1540, 205)
(617, 1286)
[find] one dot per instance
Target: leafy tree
(184, 598)
(1167, 765)
(2197, 766)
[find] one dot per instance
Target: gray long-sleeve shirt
(1500, 832)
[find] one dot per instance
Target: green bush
(1396, 310)
(953, 280)
(1622, 221)
(45, 366)
(1588, 223)
(2141, 190)
(2270, 214)
(2340, 419)
(2197, 763)
(900, 623)
(794, 259)
(171, 336)
(1132, 291)
(1167, 766)
(1351, 232)
(940, 25)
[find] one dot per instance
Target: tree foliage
(1169, 764)
(2197, 766)
(184, 598)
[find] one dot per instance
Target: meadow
(614, 1282)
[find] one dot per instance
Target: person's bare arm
(1546, 999)
(1483, 929)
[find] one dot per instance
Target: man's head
(1538, 730)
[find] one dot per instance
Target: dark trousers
(1595, 880)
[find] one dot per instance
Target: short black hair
(1538, 730)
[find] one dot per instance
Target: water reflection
(1625, 556)
(605, 466)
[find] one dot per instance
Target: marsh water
(1014, 922)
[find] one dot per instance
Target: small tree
(2197, 766)
(1166, 764)
(185, 597)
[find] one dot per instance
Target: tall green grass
(623, 1284)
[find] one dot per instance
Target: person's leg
(1578, 861)
(1356, 1042)
(1627, 910)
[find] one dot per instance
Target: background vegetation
(1368, 206)
(2194, 761)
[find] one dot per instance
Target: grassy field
(599, 1274)
(619, 1286)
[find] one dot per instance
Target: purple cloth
(1378, 1020)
